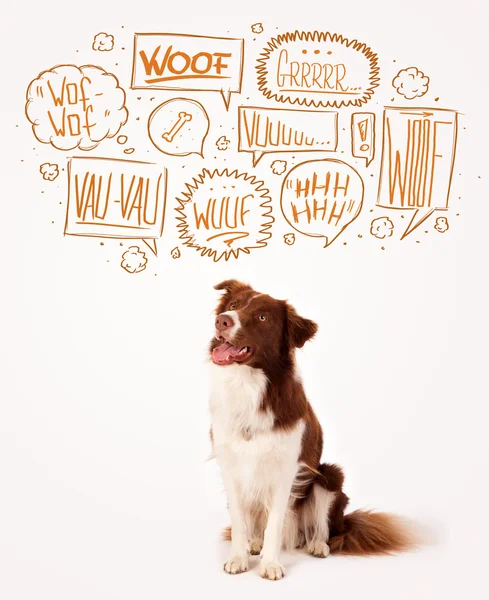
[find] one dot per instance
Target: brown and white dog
(268, 443)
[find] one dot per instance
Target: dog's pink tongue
(224, 353)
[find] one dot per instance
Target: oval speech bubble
(179, 127)
(320, 198)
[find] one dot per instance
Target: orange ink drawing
(382, 228)
(103, 42)
(257, 28)
(168, 61)
(411, 83)
(133, 260)
(175, 253)
(320, 198)
(289, 239)
(222, 143)
(441, 224)
(75, 107)
(317, 69)
(179, 127)
(262, 130)
(48, 171)
(363, 136)
(418, 155)
(223, 214)
(116, 198)
(121, 139)
(278, 167)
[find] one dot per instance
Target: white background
(104, 489)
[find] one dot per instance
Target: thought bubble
(223, 214)
(179, 127)
(411, 83)
(382, 227)
(133, 260)
(48, 171)
(75, 107)
(317, 69)
(222, 143)
(279, 167)
(289, 239)
(320, 198)
(168, 61)
(262, 130)
(103, 42)
(441, 224)
(257, 28)
(418, 155)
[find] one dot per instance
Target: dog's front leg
(238, 561)
(270, 567)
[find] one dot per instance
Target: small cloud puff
(382, 228)
(257, 28)
(48, 171)
(133, 260)
(411, 83)
(441, 224)
(278, 167)
(289, 239)
(175, 253)
(222, 143)
(103, 42)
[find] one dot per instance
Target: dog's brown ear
(299, 329)
(232, 286)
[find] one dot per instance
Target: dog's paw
(255, 546)
(236, 564)
(319, 549)
(271, 570)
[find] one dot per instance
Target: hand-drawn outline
(49, 171)
(222, 143)
(340, 213)
(219, 216)
(206, 62)
(411, 83)
(363, 136)
(175, 253)
(257, 28)
(382, 227)
(122, 139)
(289, 239)
(328, 78)
(133, 260)
(441, 224)
(278, 167)
(103, 42)
(75, 107)
(266, 130)
(179, 127)
(116, 198)
(418, 156)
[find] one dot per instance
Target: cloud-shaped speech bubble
(278, 167)
(441, 224)
(317, 69)
(75, 107)
(103, 42)
(133, 260)
(223, 214)
(289, 239)
(179, 127)
(411, 83)
(320, 198)
(222, 143)
(257, 28)
(48, 171)
(382, 227)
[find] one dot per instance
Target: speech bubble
(262, 130)
(418, 155)
(116, 198)
(224, 214)
(75, 107)
(317, 69)
(179, 127)
(320, 198)
(170, 61)
(363, 136)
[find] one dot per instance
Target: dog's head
(255, 329)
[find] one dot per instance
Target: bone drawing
(183, 117)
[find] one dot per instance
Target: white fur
(258, 464)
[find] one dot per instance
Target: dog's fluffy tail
(366, 532)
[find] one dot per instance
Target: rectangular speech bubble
(363, 136)
(262, 130)
(171, 61)
(115, 198)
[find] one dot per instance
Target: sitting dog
(268, 443)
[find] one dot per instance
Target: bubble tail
(152, 246)
(226, 96)
(257, 155)
(327, 242)
(369, 160)
(416, 220)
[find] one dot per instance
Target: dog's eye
(232, 307)
(262, 318)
